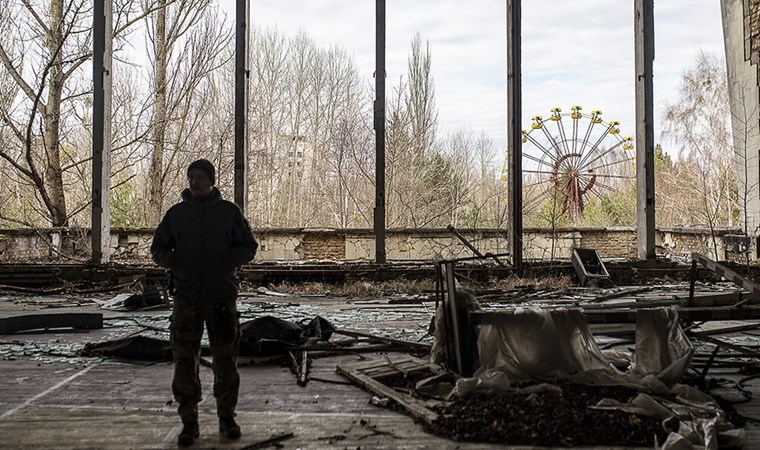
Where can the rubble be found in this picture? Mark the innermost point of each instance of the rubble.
(561, 417)
(587, 398)
(544, 399)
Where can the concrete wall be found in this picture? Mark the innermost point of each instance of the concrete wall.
(741, 30)
(288, 245)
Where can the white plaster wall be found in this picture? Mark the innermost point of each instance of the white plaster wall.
(744, 96)
(539, 246)
(134, 245)
(676, 244)
(360, 248)
(279, 247)
(408, 247)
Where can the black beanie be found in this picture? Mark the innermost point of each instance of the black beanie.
(205, 166)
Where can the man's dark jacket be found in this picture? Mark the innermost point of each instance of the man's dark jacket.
(203, 242)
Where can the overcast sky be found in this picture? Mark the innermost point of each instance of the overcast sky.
(574, 52)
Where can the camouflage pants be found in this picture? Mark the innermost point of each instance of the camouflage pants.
(223, 326)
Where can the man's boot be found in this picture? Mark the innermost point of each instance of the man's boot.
(188, 435)
(228, 427)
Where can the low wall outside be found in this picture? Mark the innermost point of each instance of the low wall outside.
(290, 245)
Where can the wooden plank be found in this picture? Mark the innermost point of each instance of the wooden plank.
(630, 304)
(387, 367)
(737, 348)
(375, 363)
(300, 366)
(714, 298)
(36, 321)
(352, 333)
(622, 293)
(725, 272)
(725, 330)
(395, 369)
(411, 404)
(271, 442)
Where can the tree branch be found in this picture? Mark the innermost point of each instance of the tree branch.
(36, 16)
(17, 76)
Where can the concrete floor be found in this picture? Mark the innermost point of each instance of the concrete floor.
(110, 405)
(51, 398)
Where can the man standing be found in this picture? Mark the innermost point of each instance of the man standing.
(203, 240)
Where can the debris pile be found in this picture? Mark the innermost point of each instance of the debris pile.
(541, 379)
(555, 415)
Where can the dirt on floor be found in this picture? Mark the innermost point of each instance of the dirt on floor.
(551, 418)
(561, 417)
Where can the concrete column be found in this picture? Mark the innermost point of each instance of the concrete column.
(645, 207)
(379, 119)
(242, 32)
(514, 132)
(102, 57)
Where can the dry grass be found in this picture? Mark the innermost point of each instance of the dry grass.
(370, 289)
(356, 289)
(560, 283)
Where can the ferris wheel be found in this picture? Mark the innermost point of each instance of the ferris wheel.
(572, 156)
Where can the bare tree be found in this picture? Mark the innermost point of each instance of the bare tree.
(50, 45)
(484, 207)
(698, 124)
(43, 47)
(419, 98)
(350, 170)
(338, 101)
(269, 129)
(309, 125)
(187, 39)
(303, 61)
(425, 179)
(310, 142)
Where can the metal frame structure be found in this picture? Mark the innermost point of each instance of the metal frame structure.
(644, 39)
